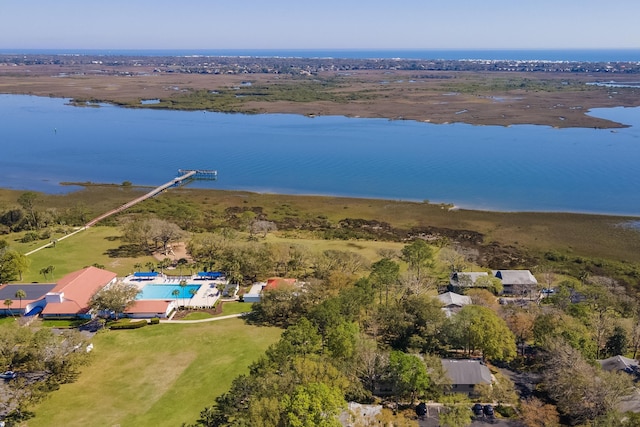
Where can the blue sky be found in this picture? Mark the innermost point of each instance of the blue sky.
(300, 24)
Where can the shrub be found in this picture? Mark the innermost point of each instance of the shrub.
(506, 411)
(29, 237)
(128, 325)
(155, 320)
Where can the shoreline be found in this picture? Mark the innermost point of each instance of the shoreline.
(445, 206)
(500, 98)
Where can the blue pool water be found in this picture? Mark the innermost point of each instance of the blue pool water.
(165, 291)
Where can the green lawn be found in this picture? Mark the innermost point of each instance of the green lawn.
(159, 375)
(197, 316)
(92, 246)
(235, 307)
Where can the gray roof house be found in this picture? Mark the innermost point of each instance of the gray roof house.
(463, 279)
(452, 302)
(619, 363)
(516, 282)
(466, 374)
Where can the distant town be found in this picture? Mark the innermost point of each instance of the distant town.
(101, 64)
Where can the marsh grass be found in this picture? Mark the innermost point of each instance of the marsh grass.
(573, 235)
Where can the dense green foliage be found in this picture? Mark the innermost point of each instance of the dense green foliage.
(42, 360)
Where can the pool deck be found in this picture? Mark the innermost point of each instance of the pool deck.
(206, 296)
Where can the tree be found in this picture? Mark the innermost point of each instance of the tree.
(27, 201)
(521, 324)
(536, 413)
(183, 285)
(8, 303)
(408, 375)
(384, 275)
(617, 342)
(258, 226)
(313, 405)
(419, 255)
(193, 292)
(175, 293)
(165, 232)
(491, 283)
(114, 299)
(20, 294)
(479, 328)
(47, 270)
(453, 259)
(455, 416)
(12, 264)
(166, 262)
(582, 392)
(181, 263)
(55, 358)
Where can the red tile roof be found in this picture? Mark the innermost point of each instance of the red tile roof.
(149, 306)
(78, 288)
(277, 282)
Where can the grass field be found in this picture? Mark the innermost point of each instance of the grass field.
(92, 246)
(160, 375)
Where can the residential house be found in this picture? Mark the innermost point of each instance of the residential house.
(619, 363)
(466, 374)
(462, 280)
(452, 302)
(516, 282)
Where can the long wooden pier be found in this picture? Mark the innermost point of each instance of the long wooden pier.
(186, 175)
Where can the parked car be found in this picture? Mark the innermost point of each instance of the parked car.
(477, 410)
(488, 411)
(8, 375)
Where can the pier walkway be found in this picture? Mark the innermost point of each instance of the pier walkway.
(186, 174)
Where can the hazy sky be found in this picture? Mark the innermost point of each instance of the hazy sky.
(301, 24)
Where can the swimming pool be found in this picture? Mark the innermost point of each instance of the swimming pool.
(166, 291)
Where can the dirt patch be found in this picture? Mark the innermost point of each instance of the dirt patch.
(175, 252)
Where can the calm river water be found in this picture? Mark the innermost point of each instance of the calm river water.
(519, 168)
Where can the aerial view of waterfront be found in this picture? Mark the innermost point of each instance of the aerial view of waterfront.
(517, 168)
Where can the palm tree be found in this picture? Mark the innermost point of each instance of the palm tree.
(175, 293)
(137, 266)
(20, 293)
(50, 270)
(183, 284)
(193, 292)
(181, 263)
(8, 303)
(150, 266)
(164, 264)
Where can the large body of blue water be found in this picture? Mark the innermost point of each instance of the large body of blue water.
(579, 55)
(517, 168)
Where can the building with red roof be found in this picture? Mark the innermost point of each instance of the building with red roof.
(144, 309)
(71, 296)
(278, 282)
